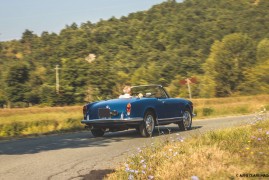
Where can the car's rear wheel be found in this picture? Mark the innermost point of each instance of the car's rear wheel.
(186, 122)
(146, 128)
(98, 132)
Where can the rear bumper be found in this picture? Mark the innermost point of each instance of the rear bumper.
(112, 121)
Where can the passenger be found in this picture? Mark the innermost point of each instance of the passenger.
(140, 95)
(127, 92)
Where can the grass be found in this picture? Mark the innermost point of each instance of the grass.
(216, 107)
(224, 154)
(37, 120)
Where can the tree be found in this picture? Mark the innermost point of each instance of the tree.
(16, 82)
(232, 57)
(208, 81)
(263, 50)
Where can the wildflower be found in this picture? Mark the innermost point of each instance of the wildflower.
(143, 172)
(131, 177)
(175, 154)
(142, 161)
(194, 178)
(127, 169)
(170, 150)
(144, 166)
(259, 139)
(247, 148)
(139, 150)
(180, 139)
(150, 177)
(267, 132)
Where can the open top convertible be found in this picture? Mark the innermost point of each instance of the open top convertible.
(144, 108)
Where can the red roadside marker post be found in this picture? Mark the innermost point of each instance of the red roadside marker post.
(188, 81)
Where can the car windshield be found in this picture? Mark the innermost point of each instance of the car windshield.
(148, 92)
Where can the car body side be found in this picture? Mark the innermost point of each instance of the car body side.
(166, 111)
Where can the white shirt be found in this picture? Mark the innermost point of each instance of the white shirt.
(125, 96)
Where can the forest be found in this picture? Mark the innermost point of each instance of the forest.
(223, 44)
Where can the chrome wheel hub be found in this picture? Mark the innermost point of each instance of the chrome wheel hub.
(186, 119)
(149, 124)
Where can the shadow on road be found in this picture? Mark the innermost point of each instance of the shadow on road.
(74, 140)
(97, 174)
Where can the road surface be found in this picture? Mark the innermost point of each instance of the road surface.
(81, 156)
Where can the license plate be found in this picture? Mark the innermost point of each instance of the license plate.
(104, 113)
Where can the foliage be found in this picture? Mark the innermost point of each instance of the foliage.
(208, 39)
(222, 154)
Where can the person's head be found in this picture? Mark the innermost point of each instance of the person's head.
(127, 90)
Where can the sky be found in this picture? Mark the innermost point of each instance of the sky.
(53, 15)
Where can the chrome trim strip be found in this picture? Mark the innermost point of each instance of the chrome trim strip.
(126, 120)
(174, 118)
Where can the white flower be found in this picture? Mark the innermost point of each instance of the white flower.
(181, 139)
(127, 169)
(150, 177)
(194, 178)
(131, 177)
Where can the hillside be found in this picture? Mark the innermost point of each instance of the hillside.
(167, 43)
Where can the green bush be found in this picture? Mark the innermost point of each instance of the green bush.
(207, 111)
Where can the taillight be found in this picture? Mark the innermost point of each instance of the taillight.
(84, 110)
(128, 109)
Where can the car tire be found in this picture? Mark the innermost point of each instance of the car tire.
(98, 132)
(186, 122)
(146, 128)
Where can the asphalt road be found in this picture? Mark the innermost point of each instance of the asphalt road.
(81, 156)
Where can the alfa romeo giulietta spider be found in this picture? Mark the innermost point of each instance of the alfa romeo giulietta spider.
(141, 108)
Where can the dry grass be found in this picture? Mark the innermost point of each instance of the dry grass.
(214, 107)
(33, 121)
(223, 154)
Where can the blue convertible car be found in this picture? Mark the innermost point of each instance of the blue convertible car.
(147, 106)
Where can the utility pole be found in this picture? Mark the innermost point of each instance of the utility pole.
(57, 79)
(189, 86)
